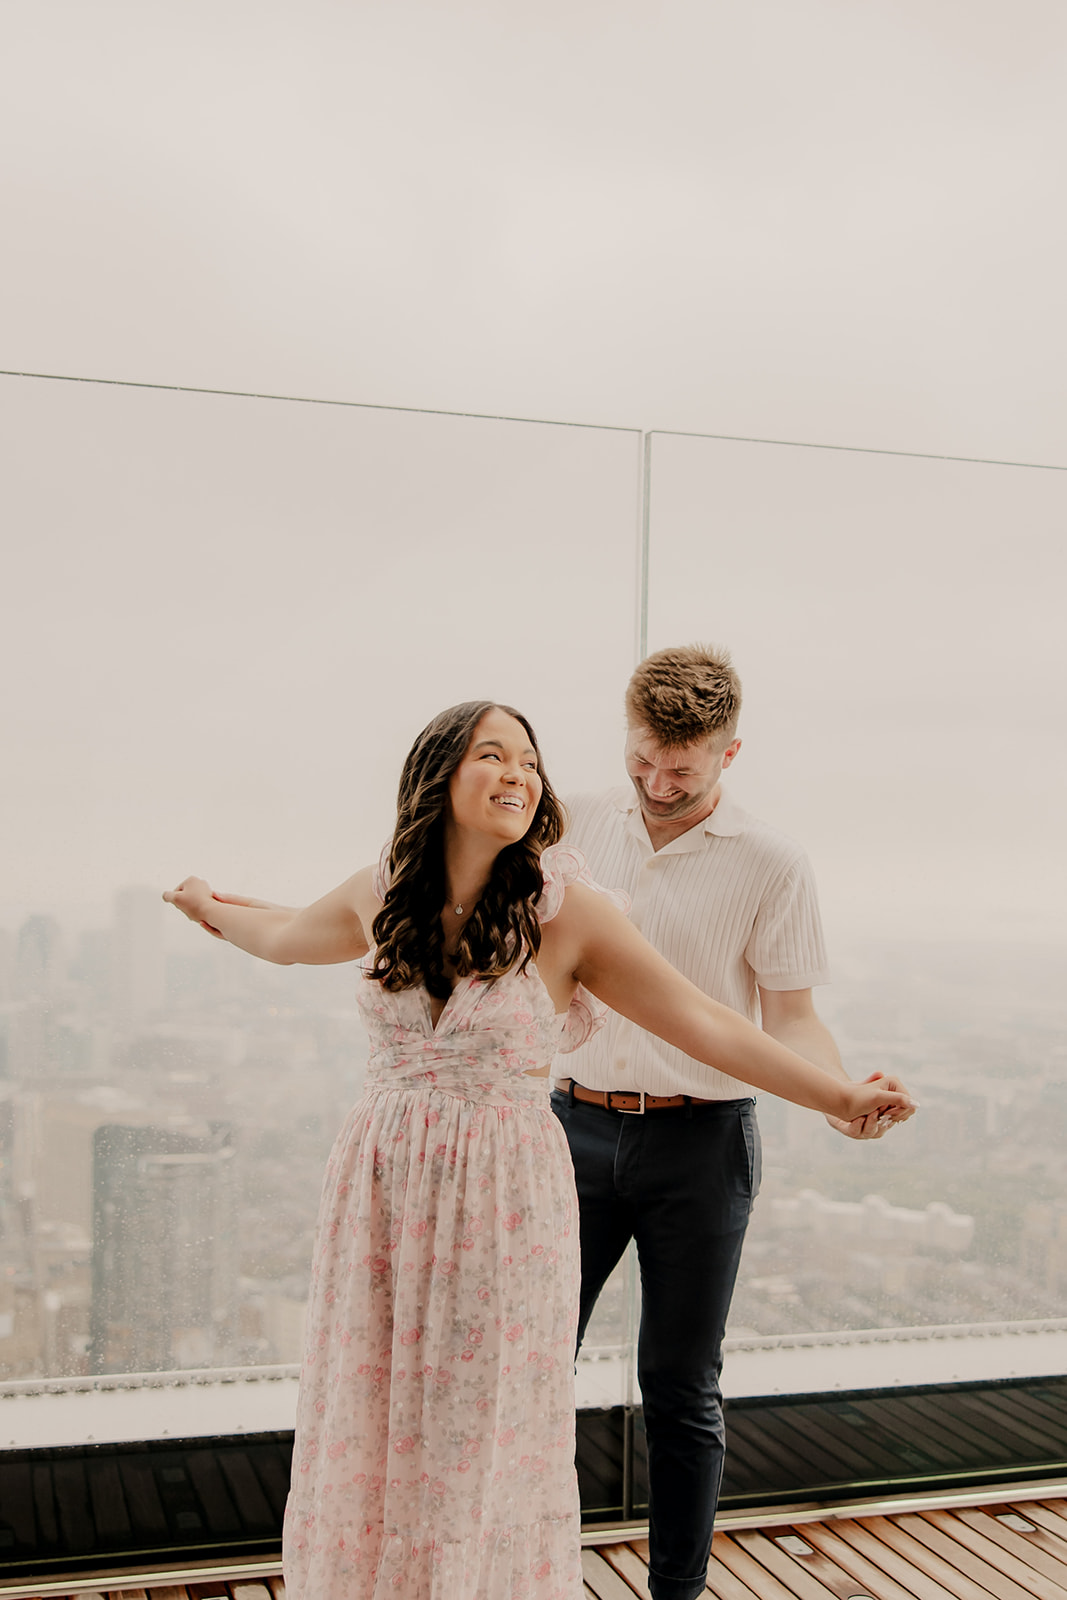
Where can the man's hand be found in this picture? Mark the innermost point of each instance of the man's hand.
(873, 1126)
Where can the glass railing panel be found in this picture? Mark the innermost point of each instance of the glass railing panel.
(225, 620)
(897, 625)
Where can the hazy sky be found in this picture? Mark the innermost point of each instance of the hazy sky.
(824, 222)
(815, 220)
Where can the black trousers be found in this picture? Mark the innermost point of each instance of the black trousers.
(681, 1183)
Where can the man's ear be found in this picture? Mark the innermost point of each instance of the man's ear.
(728, 754)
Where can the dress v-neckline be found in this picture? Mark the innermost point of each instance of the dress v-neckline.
(436, 1027)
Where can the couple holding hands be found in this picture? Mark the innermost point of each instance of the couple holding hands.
(472, 1210)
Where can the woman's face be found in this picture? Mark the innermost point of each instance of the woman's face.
(496, 788)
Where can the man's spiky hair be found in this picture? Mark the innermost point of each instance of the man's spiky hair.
(685, 695)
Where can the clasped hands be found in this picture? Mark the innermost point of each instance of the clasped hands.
(875, 1124)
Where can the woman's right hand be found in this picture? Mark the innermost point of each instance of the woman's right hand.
(193, 897)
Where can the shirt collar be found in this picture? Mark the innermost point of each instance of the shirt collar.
(725, 821)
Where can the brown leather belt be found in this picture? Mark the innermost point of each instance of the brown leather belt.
(635, 1102)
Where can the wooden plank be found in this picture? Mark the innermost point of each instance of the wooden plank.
(793, 1571)
(811, 1443)
(108, 1501)
(741, 1448)
(775, 1443)
(72, 1500)
(127, 1594)
(142, 1497)
(602, 1579)
(16, 1499)
(1042, 1429)
(1049, 1417)
(247, 1491)
(971, 1431)
(277, 1587)
(961, 1559)
(1004, 1424)
(927, 1420)
(1031, 1579)
(838, 1580)
(723, 1583)
(762, 1583)
(628, 1564)
(274, 1474)
(878, 1584)
(1053, 1527)
(875, 1459)
(212, 1493)
(933, 1449)
(215, 1590)
(1037, 1548)
(44, 1502)
(1058, 1508)
(891, 1550)
(842, 1444)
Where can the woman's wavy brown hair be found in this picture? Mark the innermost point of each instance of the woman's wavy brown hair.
(502, 929)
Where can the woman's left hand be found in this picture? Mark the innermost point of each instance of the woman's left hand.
(873, 1124)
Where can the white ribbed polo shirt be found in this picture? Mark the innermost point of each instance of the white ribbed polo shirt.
(731, 903)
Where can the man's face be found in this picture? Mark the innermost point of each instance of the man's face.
(676, 784)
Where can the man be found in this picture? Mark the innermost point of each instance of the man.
(731, 902)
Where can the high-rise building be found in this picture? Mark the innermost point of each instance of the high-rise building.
(40, 962)
(164, 1263)
(7, 965)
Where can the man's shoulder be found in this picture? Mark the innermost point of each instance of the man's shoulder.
(762, 841)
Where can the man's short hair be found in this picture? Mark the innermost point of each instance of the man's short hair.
(686, 695)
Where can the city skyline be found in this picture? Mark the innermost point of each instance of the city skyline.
(970, 1226)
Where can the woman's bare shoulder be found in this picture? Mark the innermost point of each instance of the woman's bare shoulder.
(584, 916)
(361, 890)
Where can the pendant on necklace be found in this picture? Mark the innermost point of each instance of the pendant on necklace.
(458, 910)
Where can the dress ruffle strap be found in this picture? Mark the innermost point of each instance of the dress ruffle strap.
(561, 865)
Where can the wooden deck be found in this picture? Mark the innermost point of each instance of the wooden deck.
(1014, 1549)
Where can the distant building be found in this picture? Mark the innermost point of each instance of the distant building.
(164, 1260)
(874, 1220)
(7, 965)
(94, 963)
(138, 971)
(40, 961)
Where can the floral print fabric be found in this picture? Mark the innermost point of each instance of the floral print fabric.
(434, 1455)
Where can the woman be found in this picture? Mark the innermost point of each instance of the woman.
(435, 1434)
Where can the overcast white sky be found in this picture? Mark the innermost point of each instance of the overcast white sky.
(814, 220)
(819, 221)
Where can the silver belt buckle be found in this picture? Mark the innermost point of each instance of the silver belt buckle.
(635, 1111)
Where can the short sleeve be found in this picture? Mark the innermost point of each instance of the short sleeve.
(786, 949)
(562, 865)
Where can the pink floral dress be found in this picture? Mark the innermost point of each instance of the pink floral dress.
(434, 1454)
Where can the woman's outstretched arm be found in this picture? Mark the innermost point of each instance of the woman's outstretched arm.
(335, 928)
(616, 964)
